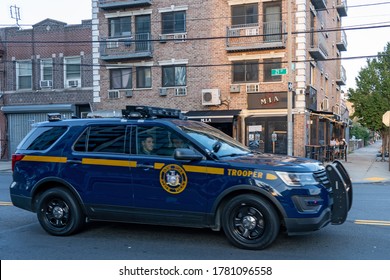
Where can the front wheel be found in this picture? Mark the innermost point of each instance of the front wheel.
(59, 213)
(250, 222)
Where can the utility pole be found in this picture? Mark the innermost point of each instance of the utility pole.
(290, 77)
(15, 13)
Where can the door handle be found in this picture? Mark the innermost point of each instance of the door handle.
(145, 165)
(73, 161)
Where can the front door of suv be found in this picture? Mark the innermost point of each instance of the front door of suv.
(165, 190)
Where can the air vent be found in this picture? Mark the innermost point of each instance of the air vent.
(46, 83)
(211, 97)
(252, 88)
(235, 88)
(113, 94)
(163, 92)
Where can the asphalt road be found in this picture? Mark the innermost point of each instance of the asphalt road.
(364, 236)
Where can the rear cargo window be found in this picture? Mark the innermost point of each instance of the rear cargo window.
(41, 138)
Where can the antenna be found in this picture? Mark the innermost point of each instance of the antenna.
(15, 13)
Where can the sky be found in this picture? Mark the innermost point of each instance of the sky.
(361, 42)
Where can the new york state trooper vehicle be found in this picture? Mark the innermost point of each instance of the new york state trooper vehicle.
(73, 171)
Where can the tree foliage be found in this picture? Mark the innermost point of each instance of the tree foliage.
(371, 98)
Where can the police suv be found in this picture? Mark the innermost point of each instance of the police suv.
(152, 166)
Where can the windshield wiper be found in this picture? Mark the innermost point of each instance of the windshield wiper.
(233, 155)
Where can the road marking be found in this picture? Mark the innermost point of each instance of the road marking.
(372, 222)
(5, 203)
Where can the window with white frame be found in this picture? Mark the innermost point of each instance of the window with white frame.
(120, 27)
(46, 69)
(72, 71)
(121, 78)
(24, 74)
(173, 22)
(246, 71)
(174, 75)
(144, 77)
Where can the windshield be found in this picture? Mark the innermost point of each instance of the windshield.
(214, 140)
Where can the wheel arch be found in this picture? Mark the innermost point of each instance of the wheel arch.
(49, 183)
(225, 196)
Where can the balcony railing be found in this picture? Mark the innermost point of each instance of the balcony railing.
(137, 46)
(342, 7)
(253, 37)
(342, 41)
(319, 4)
(341, 77)
(114, 4)
(318, 48)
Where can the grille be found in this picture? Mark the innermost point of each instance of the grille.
(322, 178)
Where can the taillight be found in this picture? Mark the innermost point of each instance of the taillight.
(15, 159)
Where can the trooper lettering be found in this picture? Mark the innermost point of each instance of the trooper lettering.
(245, 173)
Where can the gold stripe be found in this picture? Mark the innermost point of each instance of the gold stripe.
(203, 169)
(158, 165)
(269, 176)
(44, 159)
(109, 162)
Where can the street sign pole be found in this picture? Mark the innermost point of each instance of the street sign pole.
(289, 92)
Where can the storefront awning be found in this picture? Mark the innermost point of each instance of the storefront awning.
(214, 116)
(50, 108)
(332, 117)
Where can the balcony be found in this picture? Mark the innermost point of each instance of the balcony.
(317, 47)
(138, 46)
(342, 7)
(114, 5)
(247, 37)
(319, 4)
(341, 42)
(341, 77)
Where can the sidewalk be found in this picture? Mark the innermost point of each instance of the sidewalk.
(361, 165)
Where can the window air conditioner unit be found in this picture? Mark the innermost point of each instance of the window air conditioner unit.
(211, 96)
(251, 32)
(46, 83)
(112, 44)
(163, 92)
(113, 94)
(182, 91)
(128, 92)
(252, 88)
(163, 38)
(180, 37)
(324, 105)
(73, 83)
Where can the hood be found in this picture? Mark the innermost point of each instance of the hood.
(275, 162)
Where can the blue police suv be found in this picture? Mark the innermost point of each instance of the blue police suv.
(153, 166)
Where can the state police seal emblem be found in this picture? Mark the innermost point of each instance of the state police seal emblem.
(173, 178)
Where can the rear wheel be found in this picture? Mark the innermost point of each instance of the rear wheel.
(250, 222)
(59, 213)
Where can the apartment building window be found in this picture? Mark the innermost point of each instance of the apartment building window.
(47, 70)
(24, 74)
(174, 75)
(269, 64)
(121, 78)
(72, 71)
(120, 27)
(144, 77)
(272, 22)
(245, 14)
(246, 71)
(173, 22)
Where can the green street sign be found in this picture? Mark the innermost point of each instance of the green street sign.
(280, 71)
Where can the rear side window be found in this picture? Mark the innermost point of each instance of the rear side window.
(103, 139)
(41, 138)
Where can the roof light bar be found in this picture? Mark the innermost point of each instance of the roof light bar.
(151, 112)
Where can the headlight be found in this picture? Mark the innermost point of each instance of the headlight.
(297, 179)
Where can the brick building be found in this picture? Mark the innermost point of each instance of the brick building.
(46, 68)
(226, 62)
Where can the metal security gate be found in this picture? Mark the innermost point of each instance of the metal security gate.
(20, 120)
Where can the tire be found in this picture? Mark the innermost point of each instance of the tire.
(250, 222)
(59, 213)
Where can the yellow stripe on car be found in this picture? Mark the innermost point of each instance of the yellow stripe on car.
(44, 159)
(109, 162)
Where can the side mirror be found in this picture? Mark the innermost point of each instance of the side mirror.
(187, 154)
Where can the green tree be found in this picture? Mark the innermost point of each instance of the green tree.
(371, 98)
